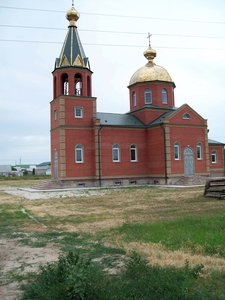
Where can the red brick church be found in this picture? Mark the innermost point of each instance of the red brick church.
(154, 142)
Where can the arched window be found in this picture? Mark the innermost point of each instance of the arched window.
(65, 84)
(148, 96)
(134, 99)
(214, 157)
(186, 116)
(78, 84)
(199, 151)
(164, 96)
(116, 153)
(133, 153)
(79, 154)
(176, 151)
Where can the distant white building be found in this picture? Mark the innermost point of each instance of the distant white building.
(5, 170)
(43, 169)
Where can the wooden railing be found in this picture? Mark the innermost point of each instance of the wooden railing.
(215, 187)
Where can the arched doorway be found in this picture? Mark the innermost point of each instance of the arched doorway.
(188, 162)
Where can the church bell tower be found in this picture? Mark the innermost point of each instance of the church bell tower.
(73, 108)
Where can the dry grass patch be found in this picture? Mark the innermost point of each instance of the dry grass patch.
(157, 255)
(114, 207)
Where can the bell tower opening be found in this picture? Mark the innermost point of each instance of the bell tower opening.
(65, 84)
(78, 84)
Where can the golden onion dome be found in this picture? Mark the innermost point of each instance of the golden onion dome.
(72, 16)
(151, 71)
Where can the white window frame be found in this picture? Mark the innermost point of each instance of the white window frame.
(79, 154)
(133, 152)
(199, 151)
(213, 157)
(148, 96)
(164, 96)
(186, 116)
(134, 99)
(116, 153)
(76, 114)
(176, 151)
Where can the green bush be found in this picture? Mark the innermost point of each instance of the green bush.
(143, 281)
(73, 277)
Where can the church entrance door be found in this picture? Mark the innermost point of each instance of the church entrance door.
(188, 162)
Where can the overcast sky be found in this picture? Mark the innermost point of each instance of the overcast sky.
(189, 37)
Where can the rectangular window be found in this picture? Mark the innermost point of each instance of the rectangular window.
(199, 152)
(116, 153)
(79, 157)
(213, 157)
(176, 151)
(134, 99)
(79, 154)
(55, 115)
(78, 112)
(133, 153)
(148, 96)
(164, 96)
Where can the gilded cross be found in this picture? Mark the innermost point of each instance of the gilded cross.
(149, 39)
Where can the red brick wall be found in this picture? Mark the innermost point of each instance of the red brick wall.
(85, 137)
(54, 107)
(156, 88)
(188, 137)
(148, 115)
(125, 138)
(54, 147)
(155, 144)
(217, 169)
(88, 110)
(195, 119)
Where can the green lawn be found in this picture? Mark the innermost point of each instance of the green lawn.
(207, 232)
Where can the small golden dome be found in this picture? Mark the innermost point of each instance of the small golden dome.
(72, 16)
(151, 71)
(150, 54)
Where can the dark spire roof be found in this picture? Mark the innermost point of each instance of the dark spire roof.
(72, 54)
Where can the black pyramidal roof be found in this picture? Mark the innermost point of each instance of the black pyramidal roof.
(72, 53)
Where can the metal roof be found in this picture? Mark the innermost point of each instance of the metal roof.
(213, 142)
(128, 120)
(125, 120)
(72, 53)
(162, 118)
(46, 163)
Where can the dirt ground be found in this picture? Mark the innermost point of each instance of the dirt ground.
(19, 259)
